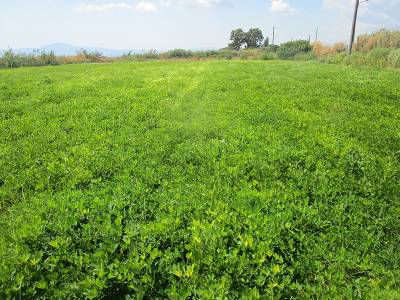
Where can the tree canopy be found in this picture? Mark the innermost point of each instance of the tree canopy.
(252, 39)
(238, 38)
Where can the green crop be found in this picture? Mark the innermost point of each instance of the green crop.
(200, 180)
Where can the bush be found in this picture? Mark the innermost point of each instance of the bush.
(150, 54)
(243, 56)
(305, 56)
(271, 48)
(250, 54)
(211, 53)
(291, 49)
(10, 59)
(48, 59)
(333, 58)
(206, 54)
(378, 57)
(178, 53)
(394, 58)
(90, 56)
(355, 59)
(228, 54)
(269, 55)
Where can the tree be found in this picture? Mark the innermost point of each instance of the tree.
(266, 42)
(238, 38)
(254, 38)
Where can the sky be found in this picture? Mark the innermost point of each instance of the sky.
(189, 24)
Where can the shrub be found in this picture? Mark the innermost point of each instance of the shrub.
(90, 56)
(10, 59)
(151, 54)
(250, 54)
(228, 54)
(356, 58)
(269, 55)
(378, 57)
(333, 58)
(178, 53)
(394, 58)
(271, 48)
(290, 49)
(243, 55)
(211, 53)
(148, 54)
(206, 54)
(48, 58)
(305, 56)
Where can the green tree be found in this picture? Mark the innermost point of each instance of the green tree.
(238, 38)
(254, 38)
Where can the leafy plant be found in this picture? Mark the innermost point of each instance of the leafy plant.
(179, 53)
(291, 49)
(199, 180)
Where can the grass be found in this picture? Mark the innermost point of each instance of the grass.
(212, 179)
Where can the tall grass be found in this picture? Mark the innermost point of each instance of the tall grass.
(10, 59)
(381, 39)
(321, 49)
(379, 49)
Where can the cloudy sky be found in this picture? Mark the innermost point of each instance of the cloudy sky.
(166, 24)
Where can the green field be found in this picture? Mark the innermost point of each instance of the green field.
(200, 180)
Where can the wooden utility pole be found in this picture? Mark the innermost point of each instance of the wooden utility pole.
(273, 35)
(353, 28)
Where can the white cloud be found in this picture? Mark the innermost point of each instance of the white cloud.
(142, 6)
(380, 13)
(145, 6)
(193, 3)
(102, 7)
(281, 6)
(338, 4)
(373, 15)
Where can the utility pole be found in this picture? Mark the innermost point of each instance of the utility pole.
(316, 35)
(353, 28)
(273, 35)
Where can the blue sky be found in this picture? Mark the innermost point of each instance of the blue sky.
(167, 24)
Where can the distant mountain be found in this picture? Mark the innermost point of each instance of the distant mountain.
(61, 49)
